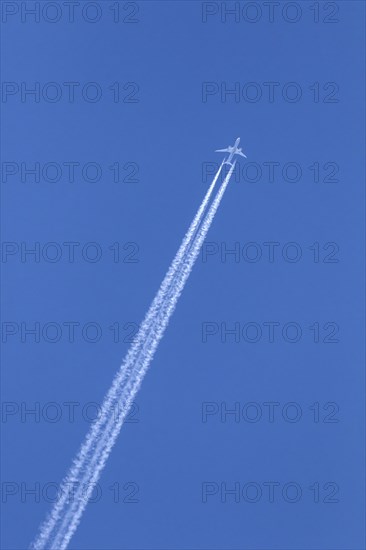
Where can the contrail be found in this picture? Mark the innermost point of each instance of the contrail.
(129, 391)
(93, 454)
(93, 436)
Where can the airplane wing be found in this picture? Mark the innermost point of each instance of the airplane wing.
(228, 150)
(241, 153)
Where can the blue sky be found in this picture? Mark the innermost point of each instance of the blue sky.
(175, 67)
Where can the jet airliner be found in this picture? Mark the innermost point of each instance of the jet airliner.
(232, 150)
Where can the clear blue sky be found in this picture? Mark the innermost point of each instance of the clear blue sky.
(298, 108)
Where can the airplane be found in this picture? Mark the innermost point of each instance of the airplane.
(232, 150)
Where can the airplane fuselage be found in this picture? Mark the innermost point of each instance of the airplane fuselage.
(234, 151)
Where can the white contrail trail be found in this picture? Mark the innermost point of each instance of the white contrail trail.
(129, 391)
(109, 401)
(93, 462)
